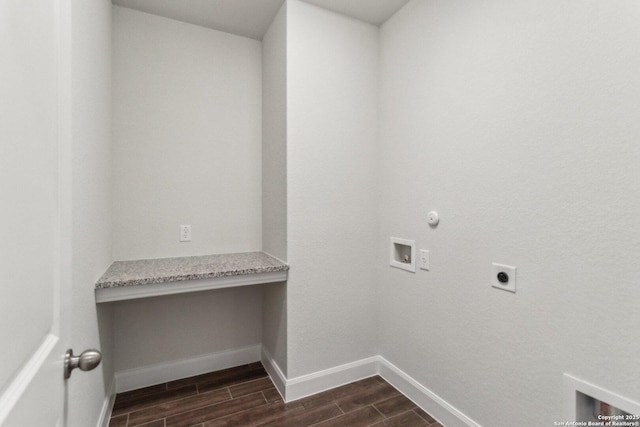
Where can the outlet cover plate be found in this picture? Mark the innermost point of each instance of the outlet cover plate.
(185, 233)
(510, 285)
(424, 259)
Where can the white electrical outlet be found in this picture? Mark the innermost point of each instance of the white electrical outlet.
(424, 259)
(185, 233)
(503, 277)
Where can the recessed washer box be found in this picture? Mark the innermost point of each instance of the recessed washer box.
(403, 254)
(585, 402)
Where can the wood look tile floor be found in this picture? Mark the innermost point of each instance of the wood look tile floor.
(245, 396)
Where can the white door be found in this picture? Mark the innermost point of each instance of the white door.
(34, 211)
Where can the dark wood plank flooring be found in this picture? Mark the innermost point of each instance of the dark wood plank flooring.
(245, 396)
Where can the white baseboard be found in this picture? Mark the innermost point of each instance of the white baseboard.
(430, 402)
(277, 376)
(163, 372)
(294, 388)
(306, 385)
(107, 406)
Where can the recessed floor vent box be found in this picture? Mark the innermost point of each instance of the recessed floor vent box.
(592, 405)
(403, 254)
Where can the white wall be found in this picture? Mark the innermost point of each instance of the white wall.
(274, 137)
(331, 188)
(518, 122)
(91, 195)
(187, 138)
(166, 329)
(274, 182)
(515, 120)
(187, 150)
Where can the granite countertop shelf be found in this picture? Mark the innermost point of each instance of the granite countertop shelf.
(126, 280)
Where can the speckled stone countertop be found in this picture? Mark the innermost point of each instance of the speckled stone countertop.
(162, 270)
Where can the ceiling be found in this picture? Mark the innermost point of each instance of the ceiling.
(372, 11)
(251, 18)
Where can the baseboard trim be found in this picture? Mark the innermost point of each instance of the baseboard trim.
(155, 374)
(107, 406)
(441, 410)
(275, 373)
(294, 388)
(306, 385)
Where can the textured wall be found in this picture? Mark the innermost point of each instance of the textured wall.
(518, 121)
(274, 181)
(331, 188)
(169, 328)
(274, 137)
(187, 138)
(91, 194)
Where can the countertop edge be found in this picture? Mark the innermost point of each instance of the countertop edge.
(188, 276)
(123, 293)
